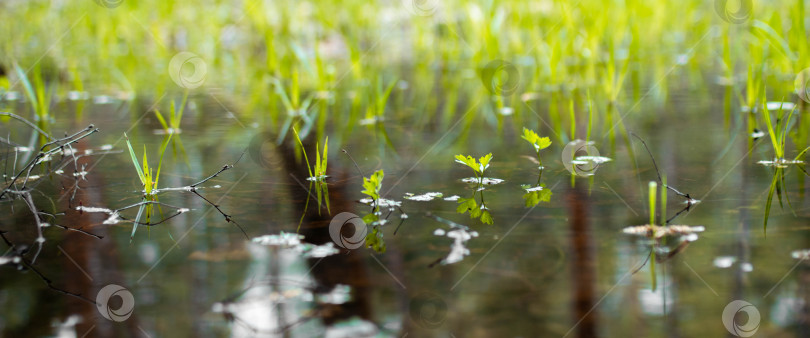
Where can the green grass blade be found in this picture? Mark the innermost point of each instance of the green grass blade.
(325, 155)
(653, 189)
(768, 203)
(135, 160)
(29, 90)
(774, 39)
(771, 134)
(317, 167)
(161, 120)
(163, 147)
(801, 154)
(664, 200)
(179, 115)
(137, 220)
(786, 123)
(298, 139)
(325, 188)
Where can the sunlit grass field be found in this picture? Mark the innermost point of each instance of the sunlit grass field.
(421, 63)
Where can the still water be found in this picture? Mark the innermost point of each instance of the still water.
(561, 268)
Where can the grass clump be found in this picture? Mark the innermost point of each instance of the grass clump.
(149, 180)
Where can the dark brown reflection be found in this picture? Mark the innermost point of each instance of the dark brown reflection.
(583, 264)
(348, 267)
(97, 258)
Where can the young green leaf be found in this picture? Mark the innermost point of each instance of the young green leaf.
(466, 204)
(468, 161)
(484, 162)
(486, 217)
(373, 184)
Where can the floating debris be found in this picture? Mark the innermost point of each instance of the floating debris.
(318, 251)
(283, 240)
(780, 163)
(689, 232)
(424, 197)
(530, 189)
(484, 181)
(317, 178)
(12, 259)
(801, 254)
(591, 159)
(724, 262)
(340, 294)
(167, 131)
(293, 242)
(452, 198)
(773, 105)
(458, 250)
(757, 134)
(460, 235)
(114, 218)
(102, 99)
(746, 267)
(383, 203)
(74, 95)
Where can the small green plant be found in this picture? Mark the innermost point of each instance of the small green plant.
(470, 204)
(371, 188)
(778, 136)
(297, 109)
(318, 171)
(317, 175)
(538, 142)
(537, 193)
(173, 125)
(148, 180)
